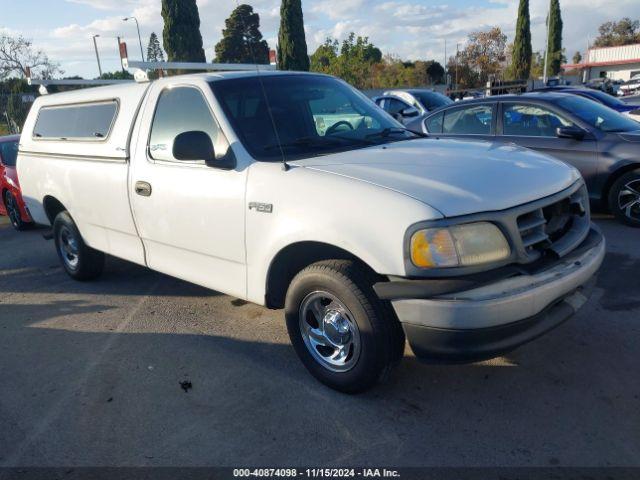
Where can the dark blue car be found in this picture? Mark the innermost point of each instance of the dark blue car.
(600, 97)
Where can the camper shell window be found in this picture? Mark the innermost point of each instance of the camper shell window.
(87, 121)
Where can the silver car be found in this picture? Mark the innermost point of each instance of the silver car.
(408, 105)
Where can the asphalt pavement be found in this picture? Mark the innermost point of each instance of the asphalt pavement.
(91, 374)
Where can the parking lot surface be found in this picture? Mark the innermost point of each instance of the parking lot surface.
(90, 376)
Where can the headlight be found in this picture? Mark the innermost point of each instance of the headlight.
(458, 246)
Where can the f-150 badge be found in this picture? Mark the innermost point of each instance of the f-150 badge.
(261, 207)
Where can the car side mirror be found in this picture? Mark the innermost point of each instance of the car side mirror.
(196, 145)
(573, 132)
(409, 112)
(193, 145)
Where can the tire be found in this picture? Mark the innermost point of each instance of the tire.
(332, 303)
(80, 261)
(13, 212)
(624, 199)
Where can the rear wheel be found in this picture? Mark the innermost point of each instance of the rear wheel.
(343, 334)
(624, 198)
(79, 260)
(13, 212)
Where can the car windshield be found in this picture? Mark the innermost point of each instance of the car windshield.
(432, 100)
(597, 115)
(604, 98)
(302, 116)
(9, 153)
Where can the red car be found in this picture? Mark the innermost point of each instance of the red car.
(12, 204)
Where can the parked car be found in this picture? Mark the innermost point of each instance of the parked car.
(407, 105)
(630, 87)
(11, 204)
(295, 191)
(618, 105)
(603, 144)
(603, 84)
(615, 103)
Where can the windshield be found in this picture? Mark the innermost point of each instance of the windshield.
(312, 115)
(432, 100)
(598, 115)
(9, 153)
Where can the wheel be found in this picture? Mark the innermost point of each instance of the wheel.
(343, 334)
(13, 211)
(80, 261)
(624, 198)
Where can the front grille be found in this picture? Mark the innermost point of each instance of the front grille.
(555, 228)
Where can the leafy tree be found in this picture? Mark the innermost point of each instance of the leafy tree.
(241, 39)
(435, 71)
(17, 53)
(482, 57)
(554, 48)
(623, 32)
(462, 74)
(292, 44)
(117, 75)
(577, 57)
(521, 52)
(154, 50)
(181, 35)
(350, 60)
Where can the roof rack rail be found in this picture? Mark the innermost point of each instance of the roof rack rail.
(140, 68)
(44, 83)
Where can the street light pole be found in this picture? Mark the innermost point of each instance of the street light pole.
(95, 46)
(139, 37)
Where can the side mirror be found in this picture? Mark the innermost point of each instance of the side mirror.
(575, 133)
(194, 145)
(409, 112)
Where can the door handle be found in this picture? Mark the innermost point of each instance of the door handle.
(143, 189)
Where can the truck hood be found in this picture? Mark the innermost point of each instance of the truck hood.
(453, 176)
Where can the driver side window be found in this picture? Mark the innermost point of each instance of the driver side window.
(530, 121)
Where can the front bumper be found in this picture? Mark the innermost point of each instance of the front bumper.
(491, 319)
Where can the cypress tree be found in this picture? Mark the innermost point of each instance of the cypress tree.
(181, 35)
(521, 54)
(555, 38)
(241, 39)
(292, 44)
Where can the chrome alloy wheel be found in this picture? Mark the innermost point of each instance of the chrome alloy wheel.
(68, 246)
(629, 199)
(329, 331)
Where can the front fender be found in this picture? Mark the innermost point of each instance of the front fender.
(365, 220)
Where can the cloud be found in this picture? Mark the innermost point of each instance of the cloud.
(412, 29)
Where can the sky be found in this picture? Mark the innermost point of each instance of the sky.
(411, 29)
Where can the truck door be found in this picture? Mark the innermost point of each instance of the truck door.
(190, 216)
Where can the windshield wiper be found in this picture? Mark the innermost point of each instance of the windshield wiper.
(387, 132)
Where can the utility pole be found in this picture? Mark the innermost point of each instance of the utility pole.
(546, 48)
(95, 46)
(139, 37)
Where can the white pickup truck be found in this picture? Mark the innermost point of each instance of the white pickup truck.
(295, 191)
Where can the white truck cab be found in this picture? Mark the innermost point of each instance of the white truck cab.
(295, 191)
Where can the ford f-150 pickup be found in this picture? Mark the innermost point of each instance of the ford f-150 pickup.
(295, 191)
